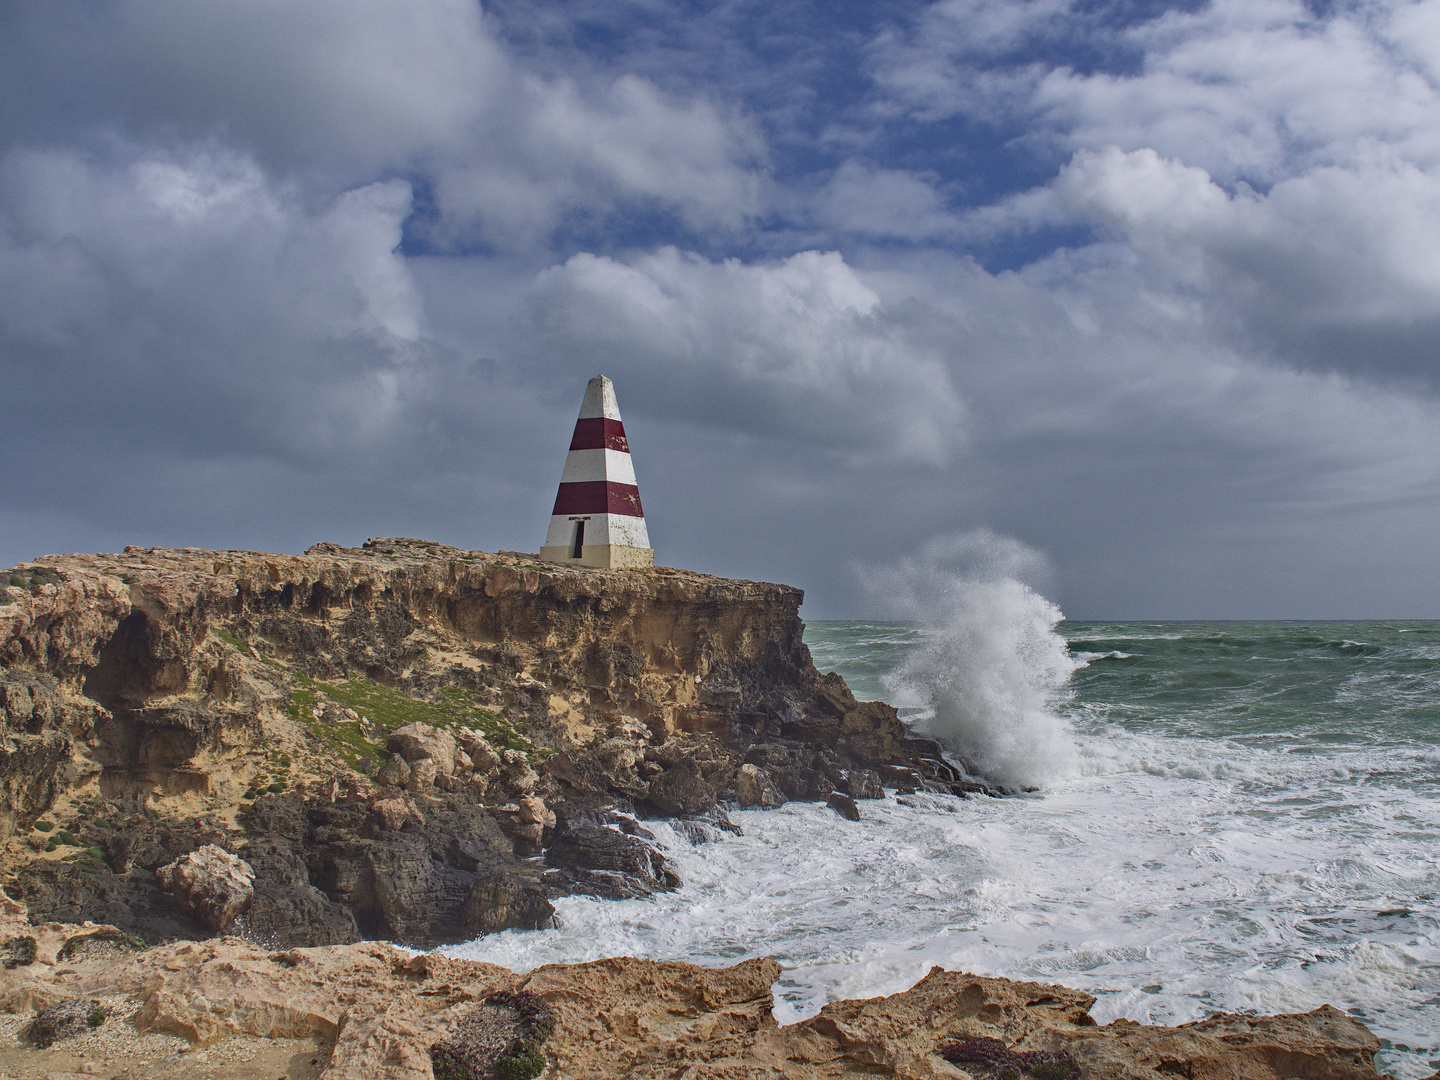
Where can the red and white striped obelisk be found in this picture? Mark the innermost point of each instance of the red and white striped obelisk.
(597, 520)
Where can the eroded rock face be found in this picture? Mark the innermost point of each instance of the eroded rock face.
(392, 726)
(210, 884)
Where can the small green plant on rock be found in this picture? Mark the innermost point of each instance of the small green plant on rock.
(96, 1016)
(501, 1039)
(991, 1058)
(233, 641)
(19, 952)
(526, 1063)
(44, 826)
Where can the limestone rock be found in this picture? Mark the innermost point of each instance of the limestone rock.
(863, 784)
(843, 805)
(416, 742)
(753, 788)
(394, 773)
(378, 1013)
(482, 755)
(210, 884)
(218, 697)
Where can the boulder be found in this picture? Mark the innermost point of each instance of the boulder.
(519, 776)
(753, 788)
(483, 757)
(394, 773)
(64, 1019)
(423, 774)
(288, 912)
(210, 884)
(796, 770)
(392, 813)
(598, 861)
(533, 812)
(843, 805)
(681, 789)
(415, 742)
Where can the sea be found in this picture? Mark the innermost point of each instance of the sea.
(1202, 817)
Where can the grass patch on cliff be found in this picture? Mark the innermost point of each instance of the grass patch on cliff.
(385, 708)
(232, 641)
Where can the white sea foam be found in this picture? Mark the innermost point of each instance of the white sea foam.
(991, 664)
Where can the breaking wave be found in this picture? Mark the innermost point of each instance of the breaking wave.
(990, 666)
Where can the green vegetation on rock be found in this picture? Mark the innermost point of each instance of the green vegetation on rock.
(525, 1064)
(233, 641)
(386, 708)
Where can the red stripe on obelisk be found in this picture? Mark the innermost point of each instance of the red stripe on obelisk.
(599, 433)
(598, 497)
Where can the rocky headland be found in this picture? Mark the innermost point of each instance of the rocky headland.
(383, 737)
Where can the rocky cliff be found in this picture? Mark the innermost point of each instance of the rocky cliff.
(385, 734)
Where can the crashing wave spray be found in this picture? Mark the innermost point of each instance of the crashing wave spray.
(991, 664)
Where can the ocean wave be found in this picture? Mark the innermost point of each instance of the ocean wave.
(991, 666)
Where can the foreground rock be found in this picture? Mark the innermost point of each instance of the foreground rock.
(373, 1012)
(387, 735)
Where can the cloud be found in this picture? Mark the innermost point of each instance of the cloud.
(193, 281)
(337, 93)
(553, 152)
(861, 199)
(1245, 90)
(797, 350)
(1274, 167)
(1336, 268)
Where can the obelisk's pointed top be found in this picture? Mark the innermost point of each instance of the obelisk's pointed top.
(599, 400)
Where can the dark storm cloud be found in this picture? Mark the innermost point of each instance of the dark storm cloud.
(272, 272)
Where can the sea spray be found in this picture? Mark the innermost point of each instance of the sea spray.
(990, 665)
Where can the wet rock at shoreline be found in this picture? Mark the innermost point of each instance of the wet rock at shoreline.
(843, 805)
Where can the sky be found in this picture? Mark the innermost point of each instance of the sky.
(1152, 289)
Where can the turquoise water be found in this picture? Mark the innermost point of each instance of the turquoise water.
(1223, 816)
